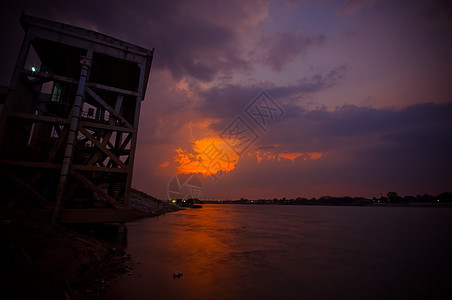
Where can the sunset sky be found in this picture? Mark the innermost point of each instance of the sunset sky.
(267, 99)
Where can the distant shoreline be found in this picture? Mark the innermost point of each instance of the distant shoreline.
(392, 200)
(441, 205)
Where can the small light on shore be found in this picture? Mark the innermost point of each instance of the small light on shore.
(33, 69)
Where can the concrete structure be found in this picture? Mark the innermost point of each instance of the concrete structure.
(68, 126)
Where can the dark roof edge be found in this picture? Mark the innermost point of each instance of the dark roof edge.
(27, 20)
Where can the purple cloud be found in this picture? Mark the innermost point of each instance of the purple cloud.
(352, 6)
(196, 39)
(283, 48)
(365, 151)
(322, 130)
(228, 101)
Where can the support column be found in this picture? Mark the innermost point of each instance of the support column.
(133, 141)
(21, 58)
(72, 134)
(14, 82)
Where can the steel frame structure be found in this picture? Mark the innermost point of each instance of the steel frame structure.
(68, 128)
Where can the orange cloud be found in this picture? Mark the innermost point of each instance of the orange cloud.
(314, 155)
(290, 156)
(264, 155)
(164, 164)
(209, 156)
(212, 155)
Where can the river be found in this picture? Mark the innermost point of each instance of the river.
(290, 252)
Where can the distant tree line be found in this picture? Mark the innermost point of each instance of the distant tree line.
(392, 198)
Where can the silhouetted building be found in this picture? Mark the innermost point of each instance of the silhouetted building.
(68, 126)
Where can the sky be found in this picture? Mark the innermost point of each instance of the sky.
(294, 98)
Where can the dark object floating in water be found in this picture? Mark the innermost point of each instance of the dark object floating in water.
(178, 274)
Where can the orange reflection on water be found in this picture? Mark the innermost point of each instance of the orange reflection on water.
(203, 253)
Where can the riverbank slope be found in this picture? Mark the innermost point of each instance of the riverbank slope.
(43, 261)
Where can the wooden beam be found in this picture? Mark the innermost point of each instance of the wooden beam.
(37, 118)
(118, 104)
(112, 89)
(93, 215)
(30, 164)
(87, 124)
(48, 76)
(95, 158)
(111, 145)
(107, 107)
(38, 81)
(57, 144)
(96, 155)
(126, 141)
(57, 128)
(102, 147)
(25, 187)
(95, 188)
(82, 141)
(39, 173)
(26, 214)
(99, 169)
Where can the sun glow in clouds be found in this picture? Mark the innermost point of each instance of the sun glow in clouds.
(209, 156)
(212, 155)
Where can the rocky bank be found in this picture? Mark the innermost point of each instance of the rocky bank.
(44, 261)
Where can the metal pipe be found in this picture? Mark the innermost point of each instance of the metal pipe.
(73, 128)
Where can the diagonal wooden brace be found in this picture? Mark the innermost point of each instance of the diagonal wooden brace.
(102, 147)
(95, 188)
(26, 188)
(107, 107)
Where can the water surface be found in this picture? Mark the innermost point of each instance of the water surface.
(290, 252)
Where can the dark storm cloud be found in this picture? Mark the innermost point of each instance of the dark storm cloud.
(229, 101)
(309, 85)
(424, 125)
(439, 11)
(188, 45)
(407, 150)
(283, 48)
(195, 38)
(370, 136)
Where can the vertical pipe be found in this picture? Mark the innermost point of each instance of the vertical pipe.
(73, 128)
